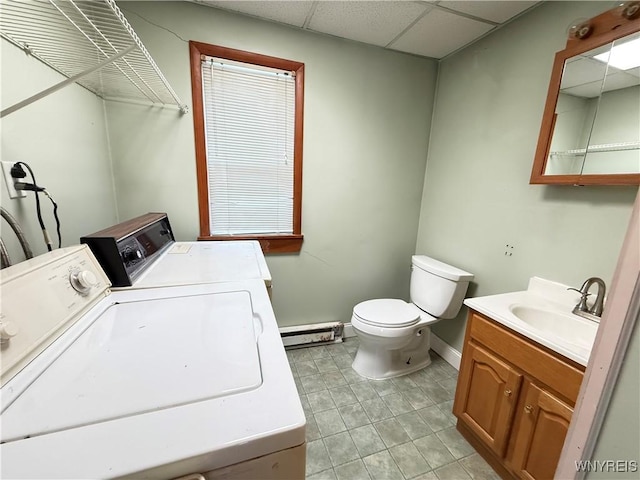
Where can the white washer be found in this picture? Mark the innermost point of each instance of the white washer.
(148, 383)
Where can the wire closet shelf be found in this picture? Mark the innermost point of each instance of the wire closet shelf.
(89, 42)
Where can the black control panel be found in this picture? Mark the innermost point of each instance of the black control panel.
(127, 249)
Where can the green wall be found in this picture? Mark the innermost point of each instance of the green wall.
(619, 438)
(63, 138)
(477, 198)
(367, 114)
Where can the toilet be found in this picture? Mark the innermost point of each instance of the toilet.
(395, 335)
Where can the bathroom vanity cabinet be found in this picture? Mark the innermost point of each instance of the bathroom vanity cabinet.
(514, 399)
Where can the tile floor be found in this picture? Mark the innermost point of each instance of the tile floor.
(389, 429)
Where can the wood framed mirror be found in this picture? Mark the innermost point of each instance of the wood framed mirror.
(590, 133)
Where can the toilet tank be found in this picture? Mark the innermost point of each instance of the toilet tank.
(437, 288)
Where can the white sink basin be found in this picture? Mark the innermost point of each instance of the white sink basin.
(567, 327)
(543, 314)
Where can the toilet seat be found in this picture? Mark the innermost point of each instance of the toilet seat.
(387, 313)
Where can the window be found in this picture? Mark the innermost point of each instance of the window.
(248, 117)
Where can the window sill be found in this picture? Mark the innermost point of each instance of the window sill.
(269, 243)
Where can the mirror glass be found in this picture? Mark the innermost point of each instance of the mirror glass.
(596, 127)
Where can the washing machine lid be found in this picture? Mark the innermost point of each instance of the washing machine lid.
(140, 356)
(387, 312)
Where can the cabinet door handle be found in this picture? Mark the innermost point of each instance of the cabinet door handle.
(528, 409)
(507, 393)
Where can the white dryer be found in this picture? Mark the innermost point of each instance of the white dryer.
(144, 383)
(142, 253)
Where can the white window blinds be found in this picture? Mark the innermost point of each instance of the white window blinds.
(249, 128)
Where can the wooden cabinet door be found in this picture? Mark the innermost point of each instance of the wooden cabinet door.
(540, 428)
(486, 396)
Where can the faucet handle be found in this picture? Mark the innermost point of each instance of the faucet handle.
(584, 294)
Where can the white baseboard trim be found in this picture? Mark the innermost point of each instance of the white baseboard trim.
(446, 351)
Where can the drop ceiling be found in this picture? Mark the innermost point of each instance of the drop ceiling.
(429, 29)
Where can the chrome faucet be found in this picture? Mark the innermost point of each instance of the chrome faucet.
(582, 309)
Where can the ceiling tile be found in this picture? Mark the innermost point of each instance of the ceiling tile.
(432, 36)
(289, 12)
(496, 11)
(377, 23)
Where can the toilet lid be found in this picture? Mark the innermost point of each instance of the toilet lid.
(387, 312)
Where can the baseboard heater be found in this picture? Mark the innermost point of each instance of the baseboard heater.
(315, 334)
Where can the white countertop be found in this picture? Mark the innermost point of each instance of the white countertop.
(571, 336)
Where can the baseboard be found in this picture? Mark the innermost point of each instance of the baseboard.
(446, 351)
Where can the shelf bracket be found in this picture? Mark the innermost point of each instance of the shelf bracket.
(66, 82)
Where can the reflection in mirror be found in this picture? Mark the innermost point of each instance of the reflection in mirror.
(614, 144)
(596, 127)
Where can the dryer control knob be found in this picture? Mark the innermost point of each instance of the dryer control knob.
(7, 330)
(131, 255)
(83, 280)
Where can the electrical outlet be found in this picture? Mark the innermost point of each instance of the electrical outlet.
(11, 189)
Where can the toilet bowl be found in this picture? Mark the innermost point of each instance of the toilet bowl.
(394, 334)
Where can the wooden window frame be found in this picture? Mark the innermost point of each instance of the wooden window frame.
(275, 243)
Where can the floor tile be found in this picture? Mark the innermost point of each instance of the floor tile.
(320, 401)
(449, 369)
(337, 349)
(323, 475)
(304, 400)
(438, 373)
(351, 347)
(382, 467)
(353, 415)
(319, 352)
(326, 365)
(384, 387)
(299, 386)
(455, 442)
(446, 408)
(434, 417)
(380, 429)
(351, 376)
(341, 448)
(421, 377)
(409, 460)
(376, 409)
(343, 360)
(404, 383)
(478, 468)
(311, 431)
(391, 432)
(417, 398)
(453, 471)
(313, 383)
(397, 403)
(343, 396)
(449, 384)
(352, 471)
(367, 440)
(306, 368)
(414, 425)
(299, 355)
(333, 379)
(437, 393)
(434, 451)
(363, 391)
(329, 422)
(317, 457)
(426, 476)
